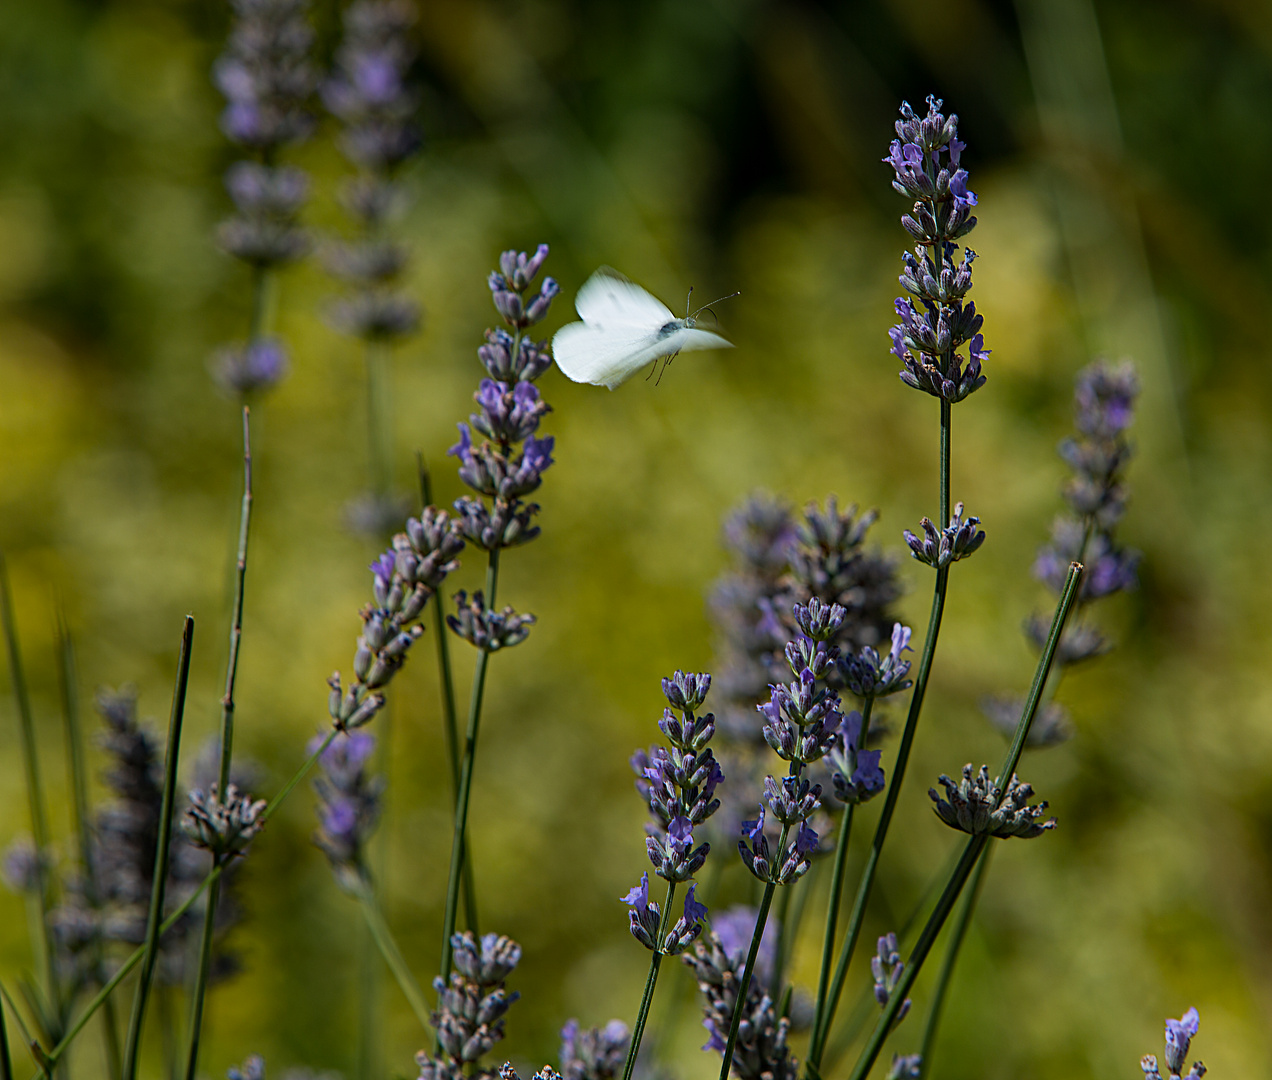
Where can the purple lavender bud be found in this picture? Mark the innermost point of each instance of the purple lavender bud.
(595, 1054)
(253, 1069)
(686, 692)
(21, 867)
(486, 630)
(1179, 1035)
(958, 540)
(887, 968)
(538, 307)
(644, 916)
(976, 806)
(906, 1067)
(819, 621)
(376, 315)
(248, 369)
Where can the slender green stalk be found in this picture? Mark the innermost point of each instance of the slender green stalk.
(976, 844)
(366, 1048)
(459, 840)
(300, 774)
(450, 726)
(204, 967)
(832, 907)
(971, 853)
(744, 983)
(78, 782)
(857, 917)
(202, 971)
(159, 882)
(957, 933)
(384, 941)
(33, 1044)
(782, 917)
(35, 791)
(6, 1064)
(236, 616)
(651, 981)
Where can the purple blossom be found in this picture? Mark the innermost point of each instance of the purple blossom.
(639, 896)
(680, 833)
(755, 829)
(805, 839)
(1179, 1035)
(694, 911)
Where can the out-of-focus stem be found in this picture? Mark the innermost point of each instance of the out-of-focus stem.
(159, 882)
(382, 936)
(35, 789)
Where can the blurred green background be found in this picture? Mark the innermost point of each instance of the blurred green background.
(1121, 150)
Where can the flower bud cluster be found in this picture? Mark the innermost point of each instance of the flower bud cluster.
(887, 969)
(906, 1067)
(645, 920)
(267, 78)
(761, 1051)
(1179, 1036)
(223, 827)
(594, 1054)
(802, 717)
(404, 579)
(977, 805)
(925, 159)
(488, 631)
(857, 777)
(868, 675)
(777, 863)
(678, 783)
(470, 1008)
(368, 93)
(349, 803)
(510, 463)
(956, 541)
(1104, 407)
(252, 1069)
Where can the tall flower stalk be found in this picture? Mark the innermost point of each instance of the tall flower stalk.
(368, 93)
(1096, 494)
(935, 323)
(504, 468)
(678, 784)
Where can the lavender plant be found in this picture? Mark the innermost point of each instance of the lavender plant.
(507, 466)
(678, 784)
(368, 93)
(1179, 1036)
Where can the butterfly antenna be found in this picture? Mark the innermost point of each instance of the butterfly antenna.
(705, 307)
(687, 300)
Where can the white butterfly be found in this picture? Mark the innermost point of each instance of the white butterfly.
(623, 329)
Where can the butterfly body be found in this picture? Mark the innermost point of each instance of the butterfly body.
(623, 328)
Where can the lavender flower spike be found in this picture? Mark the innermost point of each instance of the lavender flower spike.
(1179, 1036)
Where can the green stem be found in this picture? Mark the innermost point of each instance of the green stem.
(201, 978)
(651, 981)
(782, 915)
(459, 840)
(236, 616)
(744, 984)
(977, 843)
(300, 774)
(855, 920)
(832, 905)
(6, 1063)
(35, 790)
(957, 934)
(160, 880)
(383, 938)
(78, 782)
(971, 853)
(450, 726)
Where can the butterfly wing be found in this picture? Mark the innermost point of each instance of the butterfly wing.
(589, 354)
(688, 339)
(608, 301)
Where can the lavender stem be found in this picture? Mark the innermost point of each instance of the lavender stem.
(957, 934)
(159, 883)
(976, 844)
(744, 984)
(384, 941)
(35, 789)
(458, 842)
(449, 725)
(651, 981)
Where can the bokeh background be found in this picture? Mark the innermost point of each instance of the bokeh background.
(1121, 151)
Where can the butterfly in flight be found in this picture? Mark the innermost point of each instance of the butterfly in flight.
(623, 329)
